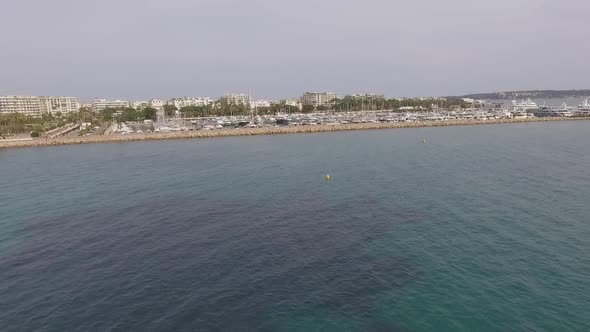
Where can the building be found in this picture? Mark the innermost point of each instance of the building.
(316, 99)
(27, 105)
(35, 105)
(295, 103)
(189, 101)
(368, 96)
(140, 105)
(231, 99)
(260, 103)
(157, 104)
(101, 104)
(58, 104)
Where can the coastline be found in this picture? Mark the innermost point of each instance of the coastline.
(261, 131)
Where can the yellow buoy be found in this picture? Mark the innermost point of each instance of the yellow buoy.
(327, 177)
(424, 141)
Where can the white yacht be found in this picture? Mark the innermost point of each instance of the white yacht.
(524, 105)
(583, 109)
(564, 111)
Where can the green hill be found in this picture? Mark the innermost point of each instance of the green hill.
(538, 94)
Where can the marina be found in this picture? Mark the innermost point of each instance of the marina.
(525, 109)
(264, 123)
(180, 133)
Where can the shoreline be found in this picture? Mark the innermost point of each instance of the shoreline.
(233, 132)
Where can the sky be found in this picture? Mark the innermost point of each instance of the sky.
(142, 49)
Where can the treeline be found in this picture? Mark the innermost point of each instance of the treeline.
(16, 123)
(233, 110)
(347, 104)
(350, 103)
(537, 94)
(127, 114)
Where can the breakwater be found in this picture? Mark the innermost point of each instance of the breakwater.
(262, 131)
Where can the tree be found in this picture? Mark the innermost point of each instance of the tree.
(292, 109)
(72, 116)
(195, 111)
(85, 115)
(150, 113)
(335, 102)
(47, 117)
(307, 108)
(130, 114)
(107, 114)
(170, 110)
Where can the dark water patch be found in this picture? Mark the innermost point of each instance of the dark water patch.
(249, 259)
(384, 326)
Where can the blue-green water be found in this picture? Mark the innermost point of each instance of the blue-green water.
(482, 228)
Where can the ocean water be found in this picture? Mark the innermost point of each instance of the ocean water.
(481, 228)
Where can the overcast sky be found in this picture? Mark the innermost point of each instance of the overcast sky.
(139, 49)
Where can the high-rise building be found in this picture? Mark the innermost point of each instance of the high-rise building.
(261, 103)
(190, 101)
(157, 104)
(295, 103)
(58, 104)
(232, 99)
(101, 104)
(374, 96)
(316, 99)
(140, 105)
(27, 105)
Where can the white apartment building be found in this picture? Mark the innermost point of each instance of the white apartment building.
(190, 101)
(260, 103)
(318, 98)
(374, 96)
(140, 105)
(232, 99)
(157, 104)
(294, 102)
(27, 105)
(101, 104)
(58, 104)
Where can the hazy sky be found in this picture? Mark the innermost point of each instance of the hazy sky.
(137, 49)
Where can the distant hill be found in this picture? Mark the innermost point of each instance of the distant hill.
(538, 94)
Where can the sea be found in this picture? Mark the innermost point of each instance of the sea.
(467, 228)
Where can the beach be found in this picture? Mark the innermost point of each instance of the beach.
(114, 138)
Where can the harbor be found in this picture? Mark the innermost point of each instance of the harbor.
(525, 109)
(179, 124)
(269, 130)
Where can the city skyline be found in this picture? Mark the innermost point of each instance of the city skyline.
(143, 49)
